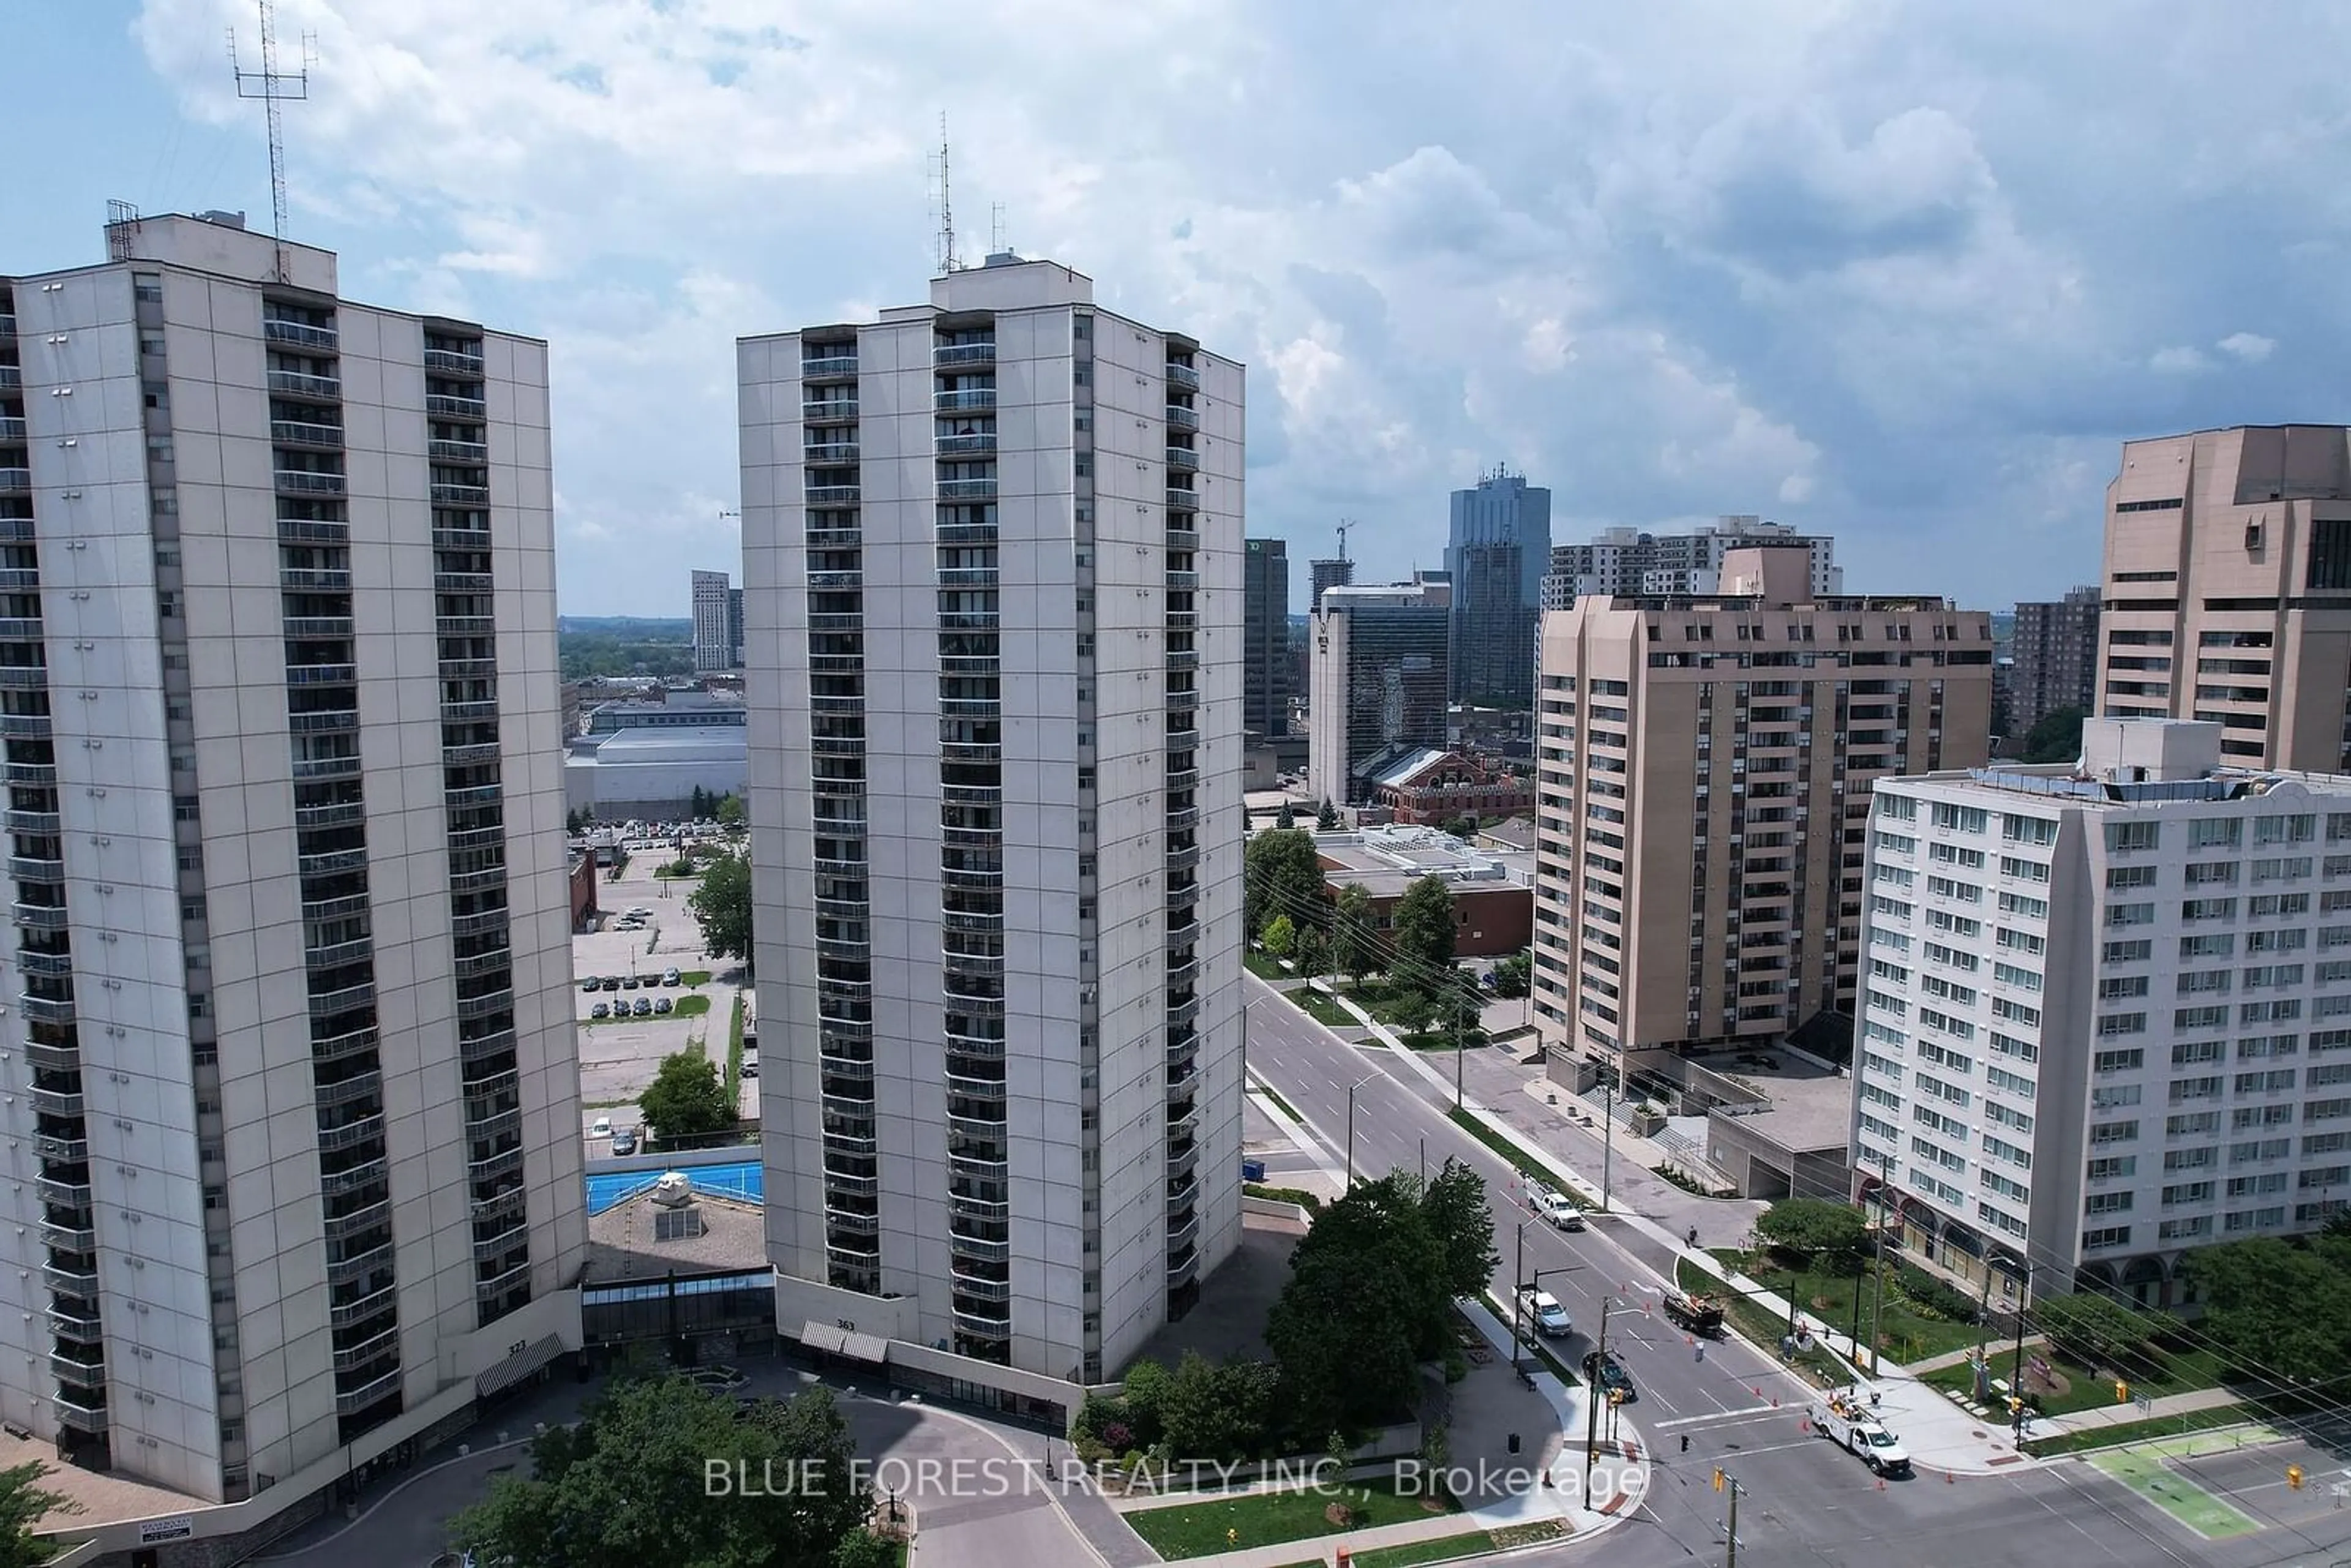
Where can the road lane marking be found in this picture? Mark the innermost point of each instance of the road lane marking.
(1727, 1418)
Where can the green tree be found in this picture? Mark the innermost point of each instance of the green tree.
(24, 1505)
(1143, 1396)
(1353, 951)
(1210, 1411)
(1463, 827)
(1811, 1227)
(685, 1099)
(1367, 1302)
(698, 807)
(1280, 938)
(1423, 931)
(632, 1484)
(1282, 875)
(1311, 955)
(1454, 1207)
(1514, 976)
(730, 812)
(1326, 820)
(577, 819)
(2096, 1328)
(722, 905)
(1458, 1011)
(2056, 737)
(2279, 1306)
(1285, 818)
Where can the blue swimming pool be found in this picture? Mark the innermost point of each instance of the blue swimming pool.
(747, 1180)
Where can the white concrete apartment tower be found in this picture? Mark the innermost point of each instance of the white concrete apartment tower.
(714, 621)
(993, 554)
(289, 1123)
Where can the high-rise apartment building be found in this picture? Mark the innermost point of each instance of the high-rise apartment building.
(292, 1109)
(1626, 561)
(734, 628)
(994, 550)
(1377, 680)
(1706, 763)
(1329, 574)
(2056, 653)
(713, 614)
(2227, 591)
(2107, 1016)
(1496, 553)
(1265, 640)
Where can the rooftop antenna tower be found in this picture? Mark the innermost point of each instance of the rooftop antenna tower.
(274, 86)
(996, 229)
(942, 204)
(1344, 525)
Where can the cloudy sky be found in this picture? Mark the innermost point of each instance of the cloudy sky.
(1906, 273)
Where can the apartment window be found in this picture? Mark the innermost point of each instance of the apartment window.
(1085, 780)
(2216, 832)
(2124, 837)
(2129, 1060)
(183, 808)
(2130, 951)
(2116, 987)
(2195, 1052)
(2106, 1237)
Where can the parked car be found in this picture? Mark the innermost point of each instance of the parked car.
(601, 1010)
(630, 982)
(644, 1008)
(639, 913)
(602, 1127)
(1556, 1208)
(611, 982)
(670, 977)
(1542, 1309)
(588, 985)
(750, 1067)
(663, 1005)
(624, 1142)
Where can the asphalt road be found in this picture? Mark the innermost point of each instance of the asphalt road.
(1803, 1501)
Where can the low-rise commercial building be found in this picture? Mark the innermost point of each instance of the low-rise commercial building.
(1493, 890)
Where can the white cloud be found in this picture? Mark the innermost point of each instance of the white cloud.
(1837, 260)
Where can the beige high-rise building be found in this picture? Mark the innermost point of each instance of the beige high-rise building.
(1706, 769)
(2231, 549)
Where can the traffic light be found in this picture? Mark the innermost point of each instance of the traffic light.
(2015, 1404)
(1718, 1481)
(2293, 1477)
(2121, 1392)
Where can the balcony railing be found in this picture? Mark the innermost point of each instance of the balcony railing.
(966, 489)
(449, 407)
(302, 481)
(969, 398)
(1183, 457)
(297, 383)
(453, 362)
(301, 332)
(964, 354)
(832, 495)
(827, 366)
(1181, 499)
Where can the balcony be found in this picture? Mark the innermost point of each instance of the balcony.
(979, 1047)
(84, 1412)
(296, 383)
(1183, 858)
(828, 451)
(971, 619)
(76, 1327)
(964, 354)
(25, 726)
(1181, 416)
(1179, 781)
(343, 1315)
(991, 1091)
(317, 628)
(65, 1104)
(71, 1278)
(966, 489)
(975, 1326)
(971, 398)
(1182, 1012)
(56, 1151)
(348, 1091)
(1181, 1231)
(829, 411)
(982, 1168)
(1183, 376)
(980, 1248)
(832, 495)
(968, 577)
(350, 1135)
(976, 441)
(978, 920)
(351, 1401)
(42, 917)
(1182, 500)
(453, 362)
(977, 1286)
(299, 332)
(461, 495)
(1183, 458)
(828, 367)
(47, 1010)
(300, 433)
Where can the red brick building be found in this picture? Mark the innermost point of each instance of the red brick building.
(1431, 787)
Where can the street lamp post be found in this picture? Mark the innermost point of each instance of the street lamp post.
(1607, 1137)
(1518, 1299)
(1358, 1083)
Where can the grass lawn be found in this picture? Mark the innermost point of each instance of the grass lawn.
(2139, 1431)
(1262, 1518)
(692, 977)
(1444, 1039)
(1905, 1332)
(1760, 1323)
(691, 1006)
(2081, 1387)
(733, 1078)
(1271, 1092)
(1439, 1549)
(1265, 966)
(1526, 1164)
(1321, 1007)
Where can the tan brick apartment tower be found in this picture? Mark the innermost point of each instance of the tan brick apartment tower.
(2227, 591)
(1706, 769)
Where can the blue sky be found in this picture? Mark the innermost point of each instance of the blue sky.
(1907, 275)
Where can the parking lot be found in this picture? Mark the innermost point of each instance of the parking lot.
(619, 1056)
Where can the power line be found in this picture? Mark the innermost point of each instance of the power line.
(1413, 967)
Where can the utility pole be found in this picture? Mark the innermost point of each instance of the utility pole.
(1592, 1403)
(1455, 1009)
(1608, 1138)
(1358, 1083)
(1517, 1295)
(1730, 1534)
(1878, 1292)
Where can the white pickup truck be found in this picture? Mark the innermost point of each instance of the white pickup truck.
(1861, 1432)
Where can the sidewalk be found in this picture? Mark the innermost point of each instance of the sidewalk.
(1939, 1434)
